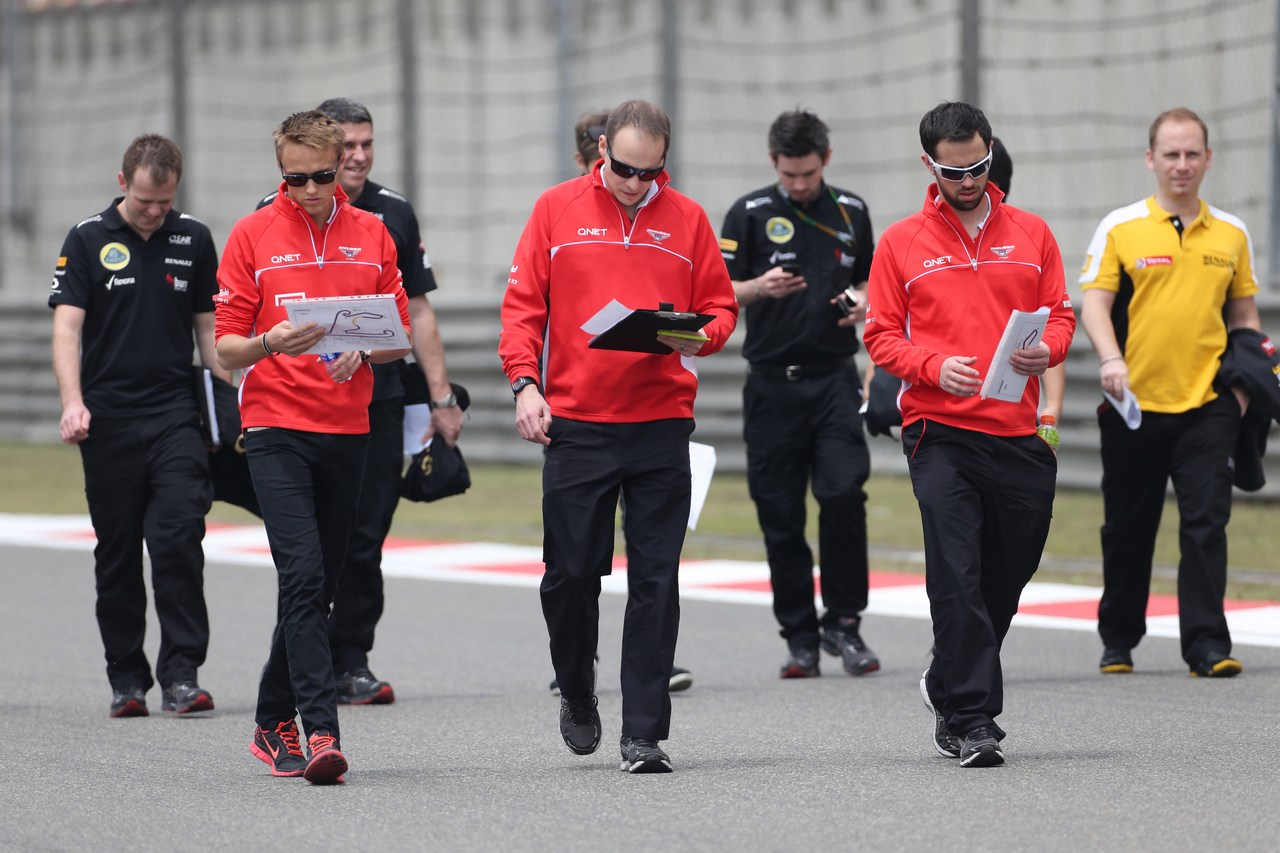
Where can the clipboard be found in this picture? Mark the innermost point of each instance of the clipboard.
(638, 330)
(351, 322)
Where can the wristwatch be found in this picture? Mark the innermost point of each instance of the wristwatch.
(365, 355)
(445, 402)
(522, 383)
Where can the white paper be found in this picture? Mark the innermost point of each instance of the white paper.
(606, 318)
(702, 464)
(351, 322)
(417, 418)
(1022, 332)
(1127, 407)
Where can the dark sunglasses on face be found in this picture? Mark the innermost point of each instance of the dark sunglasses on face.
(299, 179)
(622, 170)
(955, 174)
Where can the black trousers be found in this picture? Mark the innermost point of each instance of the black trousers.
(357, 607)
(1194, 449)
(797, 432)
(147, 480)
(985, 504)
(308, 485)
(587, 467)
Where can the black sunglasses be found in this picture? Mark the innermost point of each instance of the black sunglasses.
(622, 170)
(299, 179)
(594, 132)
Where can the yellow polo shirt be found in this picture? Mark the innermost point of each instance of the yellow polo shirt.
(1170, 292)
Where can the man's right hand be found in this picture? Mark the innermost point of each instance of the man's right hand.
(775, 283)
(958, 377)
(1114, 376)
(74, 425)
(284, 339)
(533, 416)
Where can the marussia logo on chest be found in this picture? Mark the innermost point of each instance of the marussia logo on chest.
(658, 236)
(349, 252)
(1002, 251)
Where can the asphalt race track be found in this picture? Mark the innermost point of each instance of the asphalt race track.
(470, 758)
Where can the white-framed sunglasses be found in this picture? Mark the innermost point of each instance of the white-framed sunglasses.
(955, 174)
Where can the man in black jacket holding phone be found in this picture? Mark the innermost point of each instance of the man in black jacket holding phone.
(799, 253)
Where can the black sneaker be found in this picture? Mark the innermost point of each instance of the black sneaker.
(681, 679)
(1217, 665)
(640, 755)
(981, 748)
(580, 725)
(802, 663)
(361, 687)
(1115, 661)
(843, 639)
(327, 763)
(947, 744)
(279, 748)
(129, 702)
(184, 697)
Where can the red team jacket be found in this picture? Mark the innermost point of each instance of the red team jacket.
(275, 254)
(935, 293)
(577, 253)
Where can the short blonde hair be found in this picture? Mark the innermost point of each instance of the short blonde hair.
(1175, 114)
(313, 129)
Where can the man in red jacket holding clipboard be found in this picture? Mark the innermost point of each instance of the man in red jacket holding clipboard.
(614, 423)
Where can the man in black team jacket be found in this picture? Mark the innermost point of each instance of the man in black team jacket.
(799, 253)
(359, 601)
(131, 285)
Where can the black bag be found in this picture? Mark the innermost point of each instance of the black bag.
(220, 425)
(882, 404)
(438, 471)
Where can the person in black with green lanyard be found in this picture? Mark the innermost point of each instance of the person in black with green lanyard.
(799, 253)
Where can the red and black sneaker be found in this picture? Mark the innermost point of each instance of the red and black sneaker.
(129, 702)
(327, 762)
(185, 697)
(362, 687)
(279, 747)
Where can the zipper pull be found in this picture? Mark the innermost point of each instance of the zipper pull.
(973, 262)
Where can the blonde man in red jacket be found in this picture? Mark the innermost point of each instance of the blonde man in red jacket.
(943, 284)
(306, 420)
(614, 423)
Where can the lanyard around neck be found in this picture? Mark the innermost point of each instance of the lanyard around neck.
(846, 238)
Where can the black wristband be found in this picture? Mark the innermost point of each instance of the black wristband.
(266, 348)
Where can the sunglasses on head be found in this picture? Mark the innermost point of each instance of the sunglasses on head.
(622, 170)
(594, 132)
(300, 179)
(955, 174)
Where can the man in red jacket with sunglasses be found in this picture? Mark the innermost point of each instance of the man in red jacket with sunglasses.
(943, 285)
(615, 424)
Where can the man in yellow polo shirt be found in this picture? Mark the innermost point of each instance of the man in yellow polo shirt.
(1165, 279)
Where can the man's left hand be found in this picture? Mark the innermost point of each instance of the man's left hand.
(684, 346)
(447, 423)
(1033, 361)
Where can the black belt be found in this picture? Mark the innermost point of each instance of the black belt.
(794, 372)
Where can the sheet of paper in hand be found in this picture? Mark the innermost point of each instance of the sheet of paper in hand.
(351, 322)
(1022, 332)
